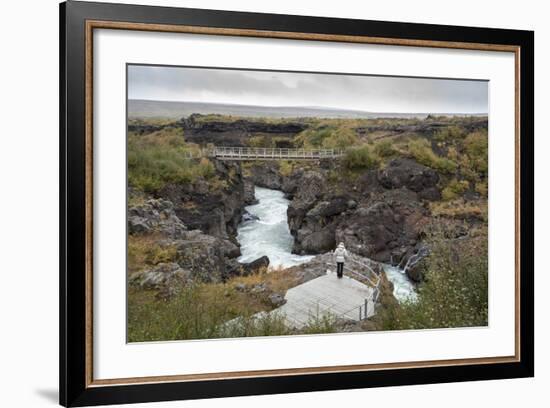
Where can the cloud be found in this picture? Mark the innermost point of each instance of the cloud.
(358, 92)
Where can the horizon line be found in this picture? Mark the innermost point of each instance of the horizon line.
(310, 107)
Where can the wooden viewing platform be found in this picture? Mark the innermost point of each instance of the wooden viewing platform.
(265, 153)
(352, 297)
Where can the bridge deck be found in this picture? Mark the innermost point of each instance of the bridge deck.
(344, 297)
(260, 153)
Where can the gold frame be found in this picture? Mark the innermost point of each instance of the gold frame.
(99, 24)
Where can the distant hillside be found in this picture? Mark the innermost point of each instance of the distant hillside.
(166, 109)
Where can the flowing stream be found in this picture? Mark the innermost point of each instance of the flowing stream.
(403, 288)
(269, 235)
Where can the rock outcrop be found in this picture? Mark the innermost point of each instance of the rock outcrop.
(155, 215)
(386, 229)
(412, 175)
(236, 132)
(169, 278)
(194, 255)
(266, 174)
(215, 207)
(379, 215)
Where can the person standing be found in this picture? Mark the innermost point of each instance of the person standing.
(340, 253)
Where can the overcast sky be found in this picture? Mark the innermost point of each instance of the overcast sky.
(366, 93)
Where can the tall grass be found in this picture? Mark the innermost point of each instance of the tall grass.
(202, 311)
(160, 158)
(421, 150)
(360, 158)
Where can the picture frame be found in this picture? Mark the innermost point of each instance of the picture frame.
(79, 20)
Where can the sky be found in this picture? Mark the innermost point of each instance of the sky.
(340, 91)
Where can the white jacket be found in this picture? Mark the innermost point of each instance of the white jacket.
(340, 253)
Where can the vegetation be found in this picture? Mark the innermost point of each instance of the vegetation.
(422, 152)
(210, 311)
(328, 137)
(384, 149)
(455, 290)
(145, 250)
(360, 158)
(454, 189)
(162, 157)
(460, 209)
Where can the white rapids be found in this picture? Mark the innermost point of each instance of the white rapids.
(269, 234)
(403, 288)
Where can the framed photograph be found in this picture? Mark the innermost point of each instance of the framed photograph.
(256, 204)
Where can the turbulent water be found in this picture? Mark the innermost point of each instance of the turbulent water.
(269, 235)
(403, 288)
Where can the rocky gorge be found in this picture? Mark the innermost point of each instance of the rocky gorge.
(183, 231)
(380, 215)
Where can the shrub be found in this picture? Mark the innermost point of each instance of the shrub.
(160, 158)
(476, 147)
(259, 141)
(454, 189)
(384, 149)
(421, 150)
(460, 209)
(313, 137)
(320, 323)
(482, 188)
(340, 138)
(360, 158)
(455, 290)
(450, 133)
(285, 168)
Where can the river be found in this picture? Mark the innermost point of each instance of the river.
(269, 235)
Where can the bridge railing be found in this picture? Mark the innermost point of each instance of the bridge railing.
(228, 152)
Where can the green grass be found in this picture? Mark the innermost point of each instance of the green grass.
(159, 158)
(422, 152)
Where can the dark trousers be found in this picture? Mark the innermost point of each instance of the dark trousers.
(340, 269)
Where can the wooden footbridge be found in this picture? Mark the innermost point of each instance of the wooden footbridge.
(266, 153)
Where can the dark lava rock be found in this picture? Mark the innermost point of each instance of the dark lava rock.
(384, 230)
(255, 266)
(249, 193)
(410, 174)
(215, 211)
(315, 242)
(266, 174)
